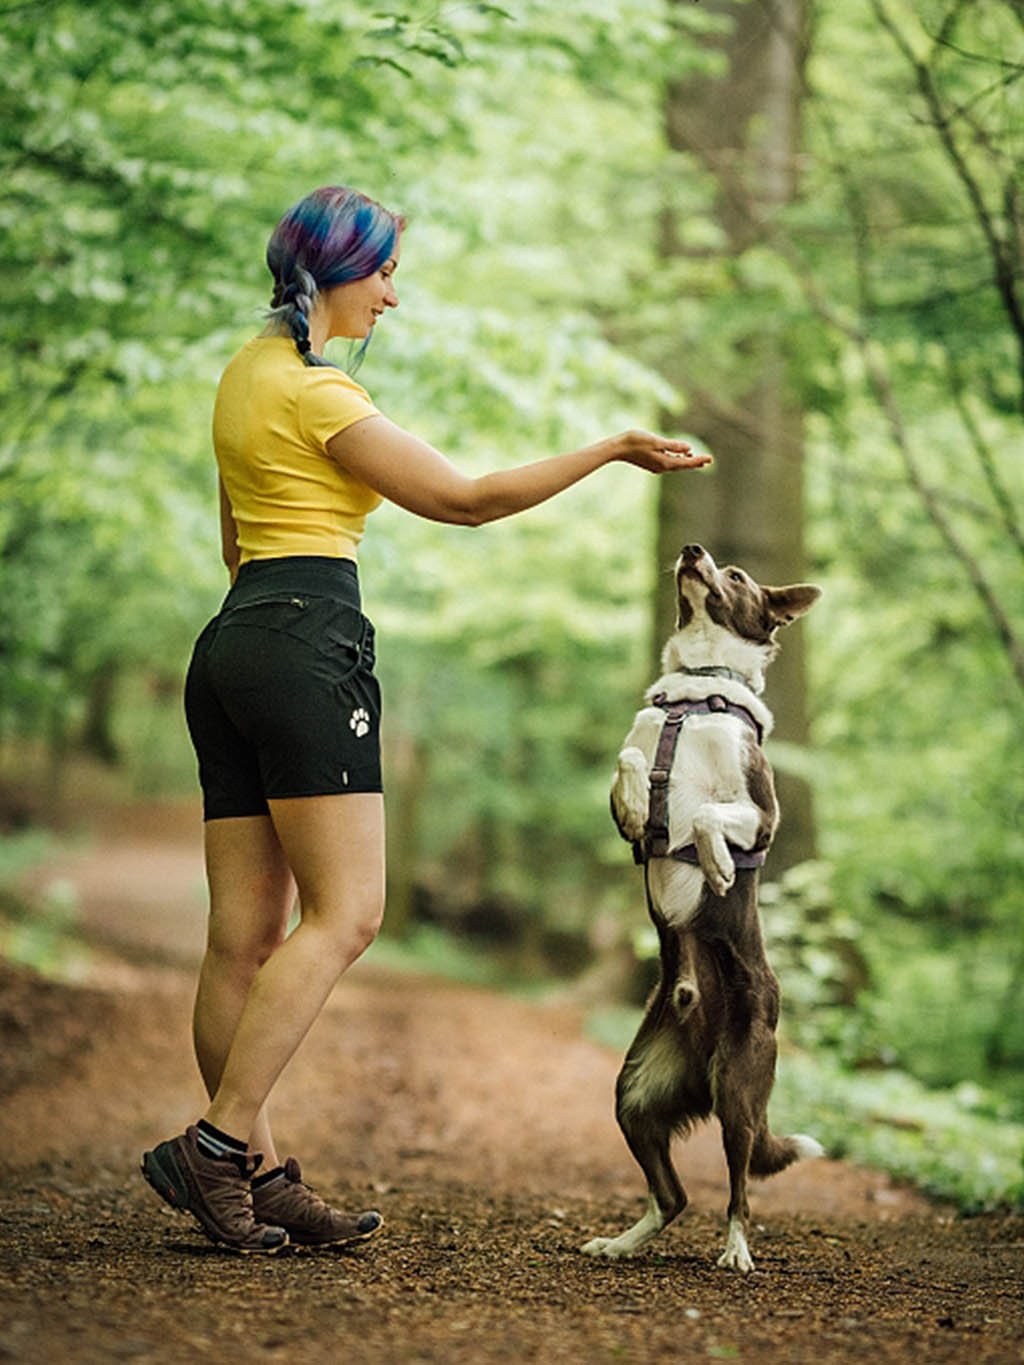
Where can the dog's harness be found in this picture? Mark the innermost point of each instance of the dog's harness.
(655, 841)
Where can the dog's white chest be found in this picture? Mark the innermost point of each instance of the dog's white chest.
(708, 776)
(708, 803)
(708, 766)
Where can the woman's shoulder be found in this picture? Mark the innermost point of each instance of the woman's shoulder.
(330, 378)
(329, 401)
(260, 357)
(267, 373)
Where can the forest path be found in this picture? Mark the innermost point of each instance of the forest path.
(480, 1125)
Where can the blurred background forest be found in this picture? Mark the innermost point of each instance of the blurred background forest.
(792, 230)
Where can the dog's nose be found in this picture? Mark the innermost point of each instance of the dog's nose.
(693, 552)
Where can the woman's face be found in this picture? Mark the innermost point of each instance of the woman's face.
(353, 308)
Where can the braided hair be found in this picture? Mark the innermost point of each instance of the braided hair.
(330, 237)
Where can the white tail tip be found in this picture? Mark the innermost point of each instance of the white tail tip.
(807, 1148)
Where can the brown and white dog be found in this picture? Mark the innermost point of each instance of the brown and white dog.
(694, 793)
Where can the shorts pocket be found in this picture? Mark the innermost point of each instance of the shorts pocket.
(285, 611)
(352, 637)
(339, 633)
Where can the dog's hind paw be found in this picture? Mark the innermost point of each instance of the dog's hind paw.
(735, 1258)
(630, 1241)
(736, 1255)
(608, 1247)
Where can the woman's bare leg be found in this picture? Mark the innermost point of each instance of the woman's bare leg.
(251, 895)
(334, 846)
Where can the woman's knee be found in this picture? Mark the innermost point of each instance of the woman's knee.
(346, 931)
(364, 928)
(242, 953)
(368, 927)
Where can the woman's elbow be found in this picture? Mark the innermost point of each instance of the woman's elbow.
(466, 510)
(445, 513)
(466, 504)
(474, 516)
(481, 504)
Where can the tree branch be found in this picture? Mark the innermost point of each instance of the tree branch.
(879, 380)
(990, 470)
(68, 160)
(881, 387)
(855, 327)
(1002, 253)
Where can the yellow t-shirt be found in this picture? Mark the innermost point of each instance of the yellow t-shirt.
(271, 420)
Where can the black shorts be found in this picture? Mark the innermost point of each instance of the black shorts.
(280, 697)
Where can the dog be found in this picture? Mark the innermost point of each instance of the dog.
(693, 792)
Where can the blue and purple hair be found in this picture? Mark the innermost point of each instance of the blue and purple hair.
(330, 237)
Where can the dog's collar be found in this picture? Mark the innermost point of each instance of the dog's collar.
(714, 671)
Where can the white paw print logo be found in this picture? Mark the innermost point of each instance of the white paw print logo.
(360, 722)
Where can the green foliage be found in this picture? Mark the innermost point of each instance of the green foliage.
(43, 939)
(18, 852)
(146, 151)
(817, 952)
(961, 1145)
(914, 523)
(41, 936)
(859, 1078)
(430, 949)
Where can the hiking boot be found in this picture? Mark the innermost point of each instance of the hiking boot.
(291, 1204)
(215, 1190)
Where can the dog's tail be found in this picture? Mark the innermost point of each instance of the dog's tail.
(772, 1154)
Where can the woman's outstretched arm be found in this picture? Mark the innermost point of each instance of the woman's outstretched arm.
(413, 474)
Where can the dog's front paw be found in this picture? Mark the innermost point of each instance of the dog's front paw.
(716, 863)
(720, 880)
(713, 851)
(608, 1247)
(631, 794)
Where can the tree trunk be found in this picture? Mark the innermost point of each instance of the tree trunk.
(408, 776)
(743, 126)
(97, 734)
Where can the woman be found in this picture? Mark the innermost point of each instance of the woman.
(283, 707)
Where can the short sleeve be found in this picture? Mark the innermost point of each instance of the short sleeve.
(329, 402)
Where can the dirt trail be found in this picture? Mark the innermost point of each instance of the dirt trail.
(481, 1126)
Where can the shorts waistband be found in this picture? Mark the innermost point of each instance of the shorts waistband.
(317, 575)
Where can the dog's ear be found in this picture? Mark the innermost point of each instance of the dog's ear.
(786, 604)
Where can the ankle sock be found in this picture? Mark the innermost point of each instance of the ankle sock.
(214, 1143)
(267, 1177)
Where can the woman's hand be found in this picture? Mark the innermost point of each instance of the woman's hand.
(656, 454)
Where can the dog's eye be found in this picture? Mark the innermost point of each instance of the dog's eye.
(735, 575)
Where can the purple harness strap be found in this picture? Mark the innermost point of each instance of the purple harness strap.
(655, 840)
